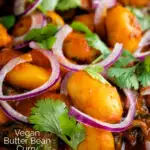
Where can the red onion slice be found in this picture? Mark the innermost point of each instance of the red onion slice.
(57, 50)
(107, 3)
(38, 21)
(19, 7)
(32, 7)
(147, 145)
(101, 7)
(95, 3)
(145, 41)
(63, 87)
(112, 57)
(21, 45)
(51, 81)
(87, 120)
(12, 113)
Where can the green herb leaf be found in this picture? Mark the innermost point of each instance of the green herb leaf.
(68, 4)
(125, 59)
(147, 63)
(8, 21)
(144, 19)
(48, 43)
(78, 26)
(41, 34)
(95, 42)
(124, 77)
(48, 5)
(92, 39)
(52, 116)
(143, 72)
(94, 71)
(144, 78)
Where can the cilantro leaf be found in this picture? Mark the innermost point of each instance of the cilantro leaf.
(52, 116)
(125, 59)
(48, 5)
(41, 34)
(78, 26)
(92, 39)
(48, 43)
(94, 72)
(144, 78)
(143, 72)
(8, 21)
(147, 63)
(124, 77)
(144, 19)
(68, 4)
(95, 42)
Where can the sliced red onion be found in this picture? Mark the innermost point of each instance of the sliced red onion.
(102, 6)
(107, 3)
(145, 41)
(99, 13)
(51, 81)
(123, 147)
(95, 3)
(90, 121)
(21, 45)
(12, 113)
(32, 7)
(58, 51)
(145, 91)
(38, 21)
(113, 57)
(19, 7)
(63, 87)
(147, 145)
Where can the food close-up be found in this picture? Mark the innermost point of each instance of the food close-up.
(74, 74)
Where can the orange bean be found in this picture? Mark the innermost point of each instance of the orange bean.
(97, 139)
(137, 3)
(29, 76)
(5, 38)
(76, 48)
(98, 100)
(87, 19)
(22, 26)
(122, 26)
(55, 18)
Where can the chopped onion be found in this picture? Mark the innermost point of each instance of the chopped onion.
(101, 7)
(107, 3)
(37, 21)
(145, 41)
(113, 57)
(90, 121)
(12, 113)
(123, 147)
(145, 91)
(21, 45)
(63, 87)
(19, 7)
(32, 7)
(51, 81)
(95, 3)
(147, 145)
(58, 51)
